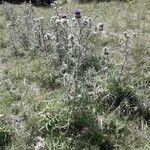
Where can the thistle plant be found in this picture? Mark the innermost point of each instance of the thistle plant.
(71, 85)
(126, 45)
(9, 11)
(68, 39)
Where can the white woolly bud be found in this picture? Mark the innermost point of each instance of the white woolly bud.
(70, 37)
(63, 20)
(100, 27)
(47, 36)
(126, 34)
(134, 35)
(53, 18)
(73, 19)
(58, 21)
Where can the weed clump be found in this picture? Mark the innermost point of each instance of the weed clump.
(70, 83)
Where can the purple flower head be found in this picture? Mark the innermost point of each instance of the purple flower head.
(77, 13)
(64, 16)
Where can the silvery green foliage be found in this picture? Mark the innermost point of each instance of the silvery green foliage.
(9, 11)
(126, 44)
(63, 34)
(25, 30)
(67, 40)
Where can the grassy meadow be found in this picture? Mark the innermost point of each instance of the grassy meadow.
(75, 80)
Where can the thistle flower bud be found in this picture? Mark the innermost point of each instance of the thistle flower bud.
(52, 4)
(105, 49)
(73, 19)
(47, 36)
(65, 65)
(70, 37)
(77, 13)
(85, 22)
(134, 35)
(58, 21)
(53, 18)
(56, 2)
(42, 18)
(64, 16)
(100, 26)
(63, 20)
(126, 35)
(59, 16)
(90, 22)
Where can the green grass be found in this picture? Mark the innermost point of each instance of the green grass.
(31, 89)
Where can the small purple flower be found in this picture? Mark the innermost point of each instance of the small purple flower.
(77, 13)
